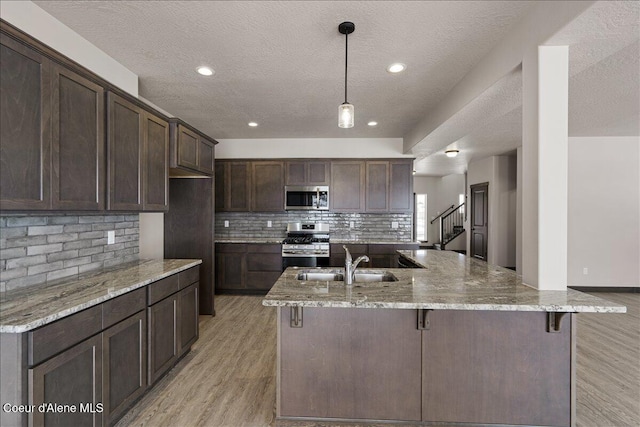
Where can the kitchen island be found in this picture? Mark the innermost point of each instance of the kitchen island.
(456, 341)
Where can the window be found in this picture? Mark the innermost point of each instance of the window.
(461, 201)
(421, 217)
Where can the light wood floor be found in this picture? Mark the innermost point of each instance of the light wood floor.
(228, 379)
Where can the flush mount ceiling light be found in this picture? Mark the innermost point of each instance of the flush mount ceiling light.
(451, 153)
(345, 110)
(372, 123)
(252, 124)
(205, 71)
(396, 67)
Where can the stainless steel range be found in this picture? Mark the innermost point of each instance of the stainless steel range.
(306, 245)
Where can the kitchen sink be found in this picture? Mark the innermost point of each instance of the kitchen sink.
(322, 277)
(362, 276)
(375, 277)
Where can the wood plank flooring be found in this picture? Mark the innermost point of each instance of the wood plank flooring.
(228, 379)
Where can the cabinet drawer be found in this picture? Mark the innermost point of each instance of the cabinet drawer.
(189, 276)
(231, 247)
(58, 336)
(266, 248)
(123, 306)
(163, 288)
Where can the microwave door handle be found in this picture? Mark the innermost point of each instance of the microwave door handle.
(317, 197)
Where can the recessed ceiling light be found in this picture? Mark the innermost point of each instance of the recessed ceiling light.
(451, 153)
(205, 71)
(396, 67)
(252, 124)
(372, 123)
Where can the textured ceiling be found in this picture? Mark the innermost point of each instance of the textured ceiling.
(281, 64)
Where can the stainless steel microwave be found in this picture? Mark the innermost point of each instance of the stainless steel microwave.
(306, 197)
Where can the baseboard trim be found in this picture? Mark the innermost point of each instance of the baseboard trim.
(628, 289)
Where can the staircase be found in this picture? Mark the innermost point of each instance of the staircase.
(451, 223)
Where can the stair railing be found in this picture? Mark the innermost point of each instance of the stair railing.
(451, 225)
(442, 214)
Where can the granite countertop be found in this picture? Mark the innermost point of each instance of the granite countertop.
(336, 241)
(370, 242)
(27, 308)
(274, 240)
(449, 281)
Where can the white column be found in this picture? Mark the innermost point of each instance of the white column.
(545, 112)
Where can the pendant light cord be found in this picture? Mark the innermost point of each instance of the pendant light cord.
(346, 58)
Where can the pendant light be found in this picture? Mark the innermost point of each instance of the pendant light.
(345, 110)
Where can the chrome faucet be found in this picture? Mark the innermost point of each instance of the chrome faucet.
(350, 267)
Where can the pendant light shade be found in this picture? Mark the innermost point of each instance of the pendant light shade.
(345, 115)
(346, 111)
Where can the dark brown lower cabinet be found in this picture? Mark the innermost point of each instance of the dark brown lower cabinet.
(125, 365)
(496, 367)
(188, 311)
(247, 267)
(73, 378)
(351, 363)
(163, 336)
(264, 266)
(173, 327)
(458, 367)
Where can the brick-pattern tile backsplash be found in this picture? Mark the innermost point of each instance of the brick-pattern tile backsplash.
(371, 227)
(37, 249)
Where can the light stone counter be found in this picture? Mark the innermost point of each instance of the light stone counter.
(28, 308)
(448, 281)
(270, 240)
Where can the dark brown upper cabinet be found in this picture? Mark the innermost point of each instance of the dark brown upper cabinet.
(401, 185)
(191, 151)
(233, 186)
(307, 172)
(377, 186)
(389, 185)
(267, 191)
(77, 145)
(125, 154)
(52, 143)
(138, 147)
(347, 186)
(155, 177)
(25, 127)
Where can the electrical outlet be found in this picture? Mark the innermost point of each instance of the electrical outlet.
(350, 224)
(394, 224)
(226, 224)
(268, 223)
(585, 271)
(111, 237)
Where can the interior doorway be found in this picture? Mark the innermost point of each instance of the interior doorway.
(479, 220)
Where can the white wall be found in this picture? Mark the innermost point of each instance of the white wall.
(441, 192)
(604, 211)
(271, 148)
(500, 173)
(31, 19)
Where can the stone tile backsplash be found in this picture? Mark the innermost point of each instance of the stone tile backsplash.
(373, 227)
(35, 249)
